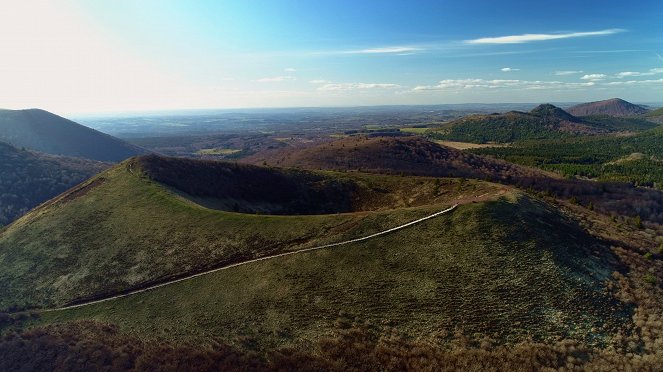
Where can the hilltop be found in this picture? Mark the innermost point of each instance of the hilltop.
(46, 132)
(151, 219)
(611, 107)
(28, 179)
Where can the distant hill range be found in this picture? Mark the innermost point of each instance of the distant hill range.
(612, 107)
(28, 179)
(545, 121)
(45, 132)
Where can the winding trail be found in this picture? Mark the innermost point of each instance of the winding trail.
(131, 293)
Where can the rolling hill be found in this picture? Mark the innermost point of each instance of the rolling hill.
(502, 278)
(611, 107)
(28, 179)
(412, 155)
(124, 229)
(544, 121)
(45, 132)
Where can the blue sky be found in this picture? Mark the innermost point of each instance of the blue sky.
(86, 56)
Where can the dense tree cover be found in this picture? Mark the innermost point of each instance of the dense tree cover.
(500, 128)
(543, 122)
(609, 158)
(28, 179)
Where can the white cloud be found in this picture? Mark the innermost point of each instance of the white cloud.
(594, 77)
(275, 79)
(509, 69)
(639, 82)
(290, 69)
(458, 84)
(567, 72)
(400, 50)
(356, 86)
(653, 71)
(526, 38)
(319, 81)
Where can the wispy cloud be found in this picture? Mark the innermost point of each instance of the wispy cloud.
(399, 50)
(356, 86)
(509, 69)
(289, 69)
(275, 79)
(526, 38)
(653, 71)
(458, 84)
(319, 81)
(636, 82)
(594, 77)
(567, 72)
(659, 56)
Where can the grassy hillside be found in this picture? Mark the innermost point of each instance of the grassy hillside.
(494, 268)
(46, 132)
(123, 230)
(28, 179)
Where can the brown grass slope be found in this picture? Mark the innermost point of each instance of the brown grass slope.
(417, 156)
(612, 107)
(49, 133)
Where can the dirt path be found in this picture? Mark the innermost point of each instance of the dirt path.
(252, 261)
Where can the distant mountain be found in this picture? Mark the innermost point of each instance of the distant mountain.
(543, 122)
(611, 107)
(28, 179)
(49, 133)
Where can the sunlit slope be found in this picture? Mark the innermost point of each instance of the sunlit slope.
(123, 230)
(510, 269)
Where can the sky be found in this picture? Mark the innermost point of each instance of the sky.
(82, 56)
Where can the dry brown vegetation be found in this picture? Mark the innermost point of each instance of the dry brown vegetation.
(416, 156)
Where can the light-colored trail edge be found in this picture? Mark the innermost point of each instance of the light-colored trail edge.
(127, 294)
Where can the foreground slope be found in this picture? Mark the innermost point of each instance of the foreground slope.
(28, 179)
(49, 133)
(512, 269)
(124, 229)
(611, 107)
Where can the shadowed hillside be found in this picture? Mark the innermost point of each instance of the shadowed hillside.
(46, 132)
(28, 179)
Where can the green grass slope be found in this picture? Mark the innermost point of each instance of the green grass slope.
(122, 229)
(28, 179)
(511, 269)
(49, 133)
